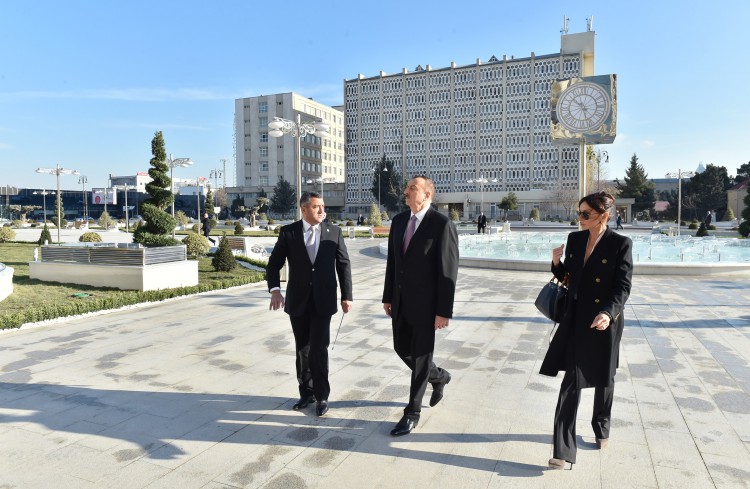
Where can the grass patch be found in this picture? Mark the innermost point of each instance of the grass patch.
(35, 300)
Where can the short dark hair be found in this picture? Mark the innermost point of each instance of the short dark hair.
(306, 196)
(601, 202)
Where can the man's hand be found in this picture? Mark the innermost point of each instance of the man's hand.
(441, 322)
(277, 300)
(387, 308)
(346, 306)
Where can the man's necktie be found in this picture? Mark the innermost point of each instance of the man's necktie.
(410, 232)
(311, 244)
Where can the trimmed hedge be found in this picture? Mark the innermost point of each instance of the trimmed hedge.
(43, 312)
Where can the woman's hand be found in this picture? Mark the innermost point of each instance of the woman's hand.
(601, 322)
(557, 254)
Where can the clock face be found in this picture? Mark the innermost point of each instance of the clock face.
(583, 107)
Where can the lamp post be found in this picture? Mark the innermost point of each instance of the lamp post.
(173, 162)
(125, 187)
(83, 181)
(44, 194)
(298, 130)
(481, 180)
(375, 169)
(216, 175)
(679, 174)
(599, 164)
(57, 170)
(321, 180)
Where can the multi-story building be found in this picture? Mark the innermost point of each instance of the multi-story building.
(488, 121)
(262, 160)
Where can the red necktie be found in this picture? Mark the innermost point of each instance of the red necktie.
(410, 232)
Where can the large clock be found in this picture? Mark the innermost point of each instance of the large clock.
(583, 107)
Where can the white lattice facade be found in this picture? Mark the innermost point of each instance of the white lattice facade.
(262, 160)
(454, 124)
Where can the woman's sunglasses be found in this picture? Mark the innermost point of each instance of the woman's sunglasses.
(585, 215)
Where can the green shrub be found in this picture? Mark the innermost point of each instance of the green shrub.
(350, 223)
(90, 237)
(197, 244)
(534, 214)
(277, 230)
(375, 215)
(711, 227)
(702, 231)
(683, 223)
(729, 215)
(454, 215)
(694, 225)
(105, 221)
(574, 222)
(223, 260)
(157, 240)
(181, 218)
(228, 223)
(263, 216)
(745, 228)
(7, 234)
(45, 236)
(238, 229)
(196, 228)
(271, 221)
(384, 215)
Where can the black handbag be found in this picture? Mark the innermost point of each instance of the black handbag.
(551, 300)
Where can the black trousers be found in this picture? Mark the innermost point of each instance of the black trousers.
(312, 334)
(564, 434)
(415, 346)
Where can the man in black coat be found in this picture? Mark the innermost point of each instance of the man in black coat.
(420, 284)
(316, 253)
(481, 223)
(206, 221)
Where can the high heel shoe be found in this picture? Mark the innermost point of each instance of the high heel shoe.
(602, 443)
(558, 464)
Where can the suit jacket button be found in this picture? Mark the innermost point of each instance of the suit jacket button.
(596, 301)
(604, 260)
(313, 269)
(598, 280)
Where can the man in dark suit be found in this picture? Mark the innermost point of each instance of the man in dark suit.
(420, 283)
(316, 254)
(481, 223)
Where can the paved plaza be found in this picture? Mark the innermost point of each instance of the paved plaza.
(197, 393)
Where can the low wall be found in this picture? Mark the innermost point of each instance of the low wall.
(6, 281)
(130, 277)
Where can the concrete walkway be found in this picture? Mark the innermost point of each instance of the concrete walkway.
(197, 393)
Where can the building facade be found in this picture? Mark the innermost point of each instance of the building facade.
(486, 122)
(262, 160)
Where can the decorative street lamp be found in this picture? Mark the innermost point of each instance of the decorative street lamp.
(679, 175)
(176, 162)
(125, 187)
(44, 195)
(599, 155)
(216, 175)
(57, 170)
(298, 130)
(481, 181)
(321, 180)
(379, 175)
(83, 181)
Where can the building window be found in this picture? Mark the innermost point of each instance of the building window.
(264, 180)
(263, 151)
(264, 137)
(262, 122)
(263, 107)
(263, 166)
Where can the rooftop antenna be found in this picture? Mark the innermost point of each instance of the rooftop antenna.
(590, 23)
(564, 30)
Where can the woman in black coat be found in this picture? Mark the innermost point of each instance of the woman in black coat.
(598, 264)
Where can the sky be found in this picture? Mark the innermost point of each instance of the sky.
(86, 84)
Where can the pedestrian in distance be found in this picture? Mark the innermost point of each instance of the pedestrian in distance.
(206, 222)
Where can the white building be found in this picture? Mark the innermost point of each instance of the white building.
(262, 160)
(489, 119)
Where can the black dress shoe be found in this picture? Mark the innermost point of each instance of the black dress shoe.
(322, 407)
(437, 391)
(303, 402)
(404, 426)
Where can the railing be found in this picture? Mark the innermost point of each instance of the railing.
(113, 254)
